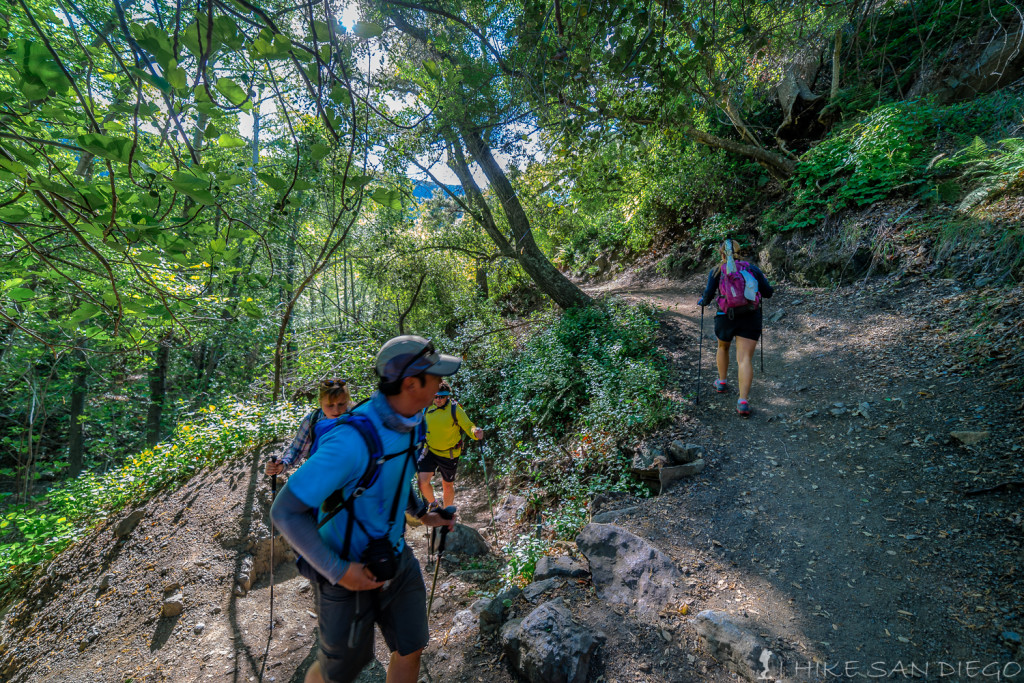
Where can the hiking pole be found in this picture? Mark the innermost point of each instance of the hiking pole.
(762, 339)
(273, 497)
(446, 513)
(270, 633)
(700, 350)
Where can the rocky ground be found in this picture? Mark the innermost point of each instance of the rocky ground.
(848, 527)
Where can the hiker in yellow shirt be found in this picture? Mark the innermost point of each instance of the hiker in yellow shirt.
(445, 422)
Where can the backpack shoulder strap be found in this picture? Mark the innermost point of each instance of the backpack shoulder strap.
(455, 406)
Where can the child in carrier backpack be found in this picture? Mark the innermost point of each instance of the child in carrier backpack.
(335, 399)
(740, 286)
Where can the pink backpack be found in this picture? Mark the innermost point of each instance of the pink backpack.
(737, 286)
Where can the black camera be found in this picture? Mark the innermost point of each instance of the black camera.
(380, 558)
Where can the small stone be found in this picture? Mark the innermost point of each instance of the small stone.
(172, 587)
(645, 667)
(969, 438)
(105, 582)
(1011, 637)
(215, 610)
(172, 606)
(199, 628)
(128, 524)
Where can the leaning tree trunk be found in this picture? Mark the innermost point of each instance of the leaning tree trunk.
(536, 264)
(157, 391)
(78, 389)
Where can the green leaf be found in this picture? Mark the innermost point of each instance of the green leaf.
(158, 81)
(230, 141)
(38, 68)
(318, 151)
(231, 90)
(21, 294)
(391, 199)
(358, 181)
(106, 146)
(194, 187)
(367, 30)
(341, 95)
(432, 69)
(13, 166)
(84, 312)
(272, 180)
(176, 76)
(322, 31)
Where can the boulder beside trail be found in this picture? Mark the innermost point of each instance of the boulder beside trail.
(740, 650)
(465, 540)
(626, 568)
(559, 565)
(549, 646)
(494, 612)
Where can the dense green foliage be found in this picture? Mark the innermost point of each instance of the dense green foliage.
(34, 533)
(563, 410)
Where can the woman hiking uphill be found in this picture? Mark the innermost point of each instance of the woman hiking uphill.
(740, 286)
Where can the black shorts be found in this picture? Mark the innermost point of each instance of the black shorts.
(746, 325)
(399, 608)
(431, 462)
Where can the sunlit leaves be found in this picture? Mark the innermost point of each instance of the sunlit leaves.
(40, 72)
(235, 94)
(193, 185)
(367, 30)
(106, 146)
(391, 199)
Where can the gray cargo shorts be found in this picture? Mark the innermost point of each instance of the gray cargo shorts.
(346, 620)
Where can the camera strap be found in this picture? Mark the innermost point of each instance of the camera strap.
(368, 479)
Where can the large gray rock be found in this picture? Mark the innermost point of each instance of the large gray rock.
(682, 454)
(740, 650)
(493, 613)
(465, 540)
(625, 567)
(127, 525)
(559, 565)
(548, 646)
(613, 516)
(609, 500)
(650, 456)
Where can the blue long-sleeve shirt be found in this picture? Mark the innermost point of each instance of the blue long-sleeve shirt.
(763, 286)
(339, 463)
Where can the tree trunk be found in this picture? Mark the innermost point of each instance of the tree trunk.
(778, 165)
(531, 258)
(481, 279)
(78, 392)
(157, 391)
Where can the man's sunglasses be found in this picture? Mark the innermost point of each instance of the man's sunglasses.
(329, 383)
(427, 350)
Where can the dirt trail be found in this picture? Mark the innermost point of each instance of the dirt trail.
(836, 514)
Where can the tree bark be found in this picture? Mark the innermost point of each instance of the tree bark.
(778, 165)
(79, 387)
(157, 391)
(548, 278)
(481, 279)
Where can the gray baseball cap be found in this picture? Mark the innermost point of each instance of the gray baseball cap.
(409, 355)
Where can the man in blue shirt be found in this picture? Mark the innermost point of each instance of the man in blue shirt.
(349, 597)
